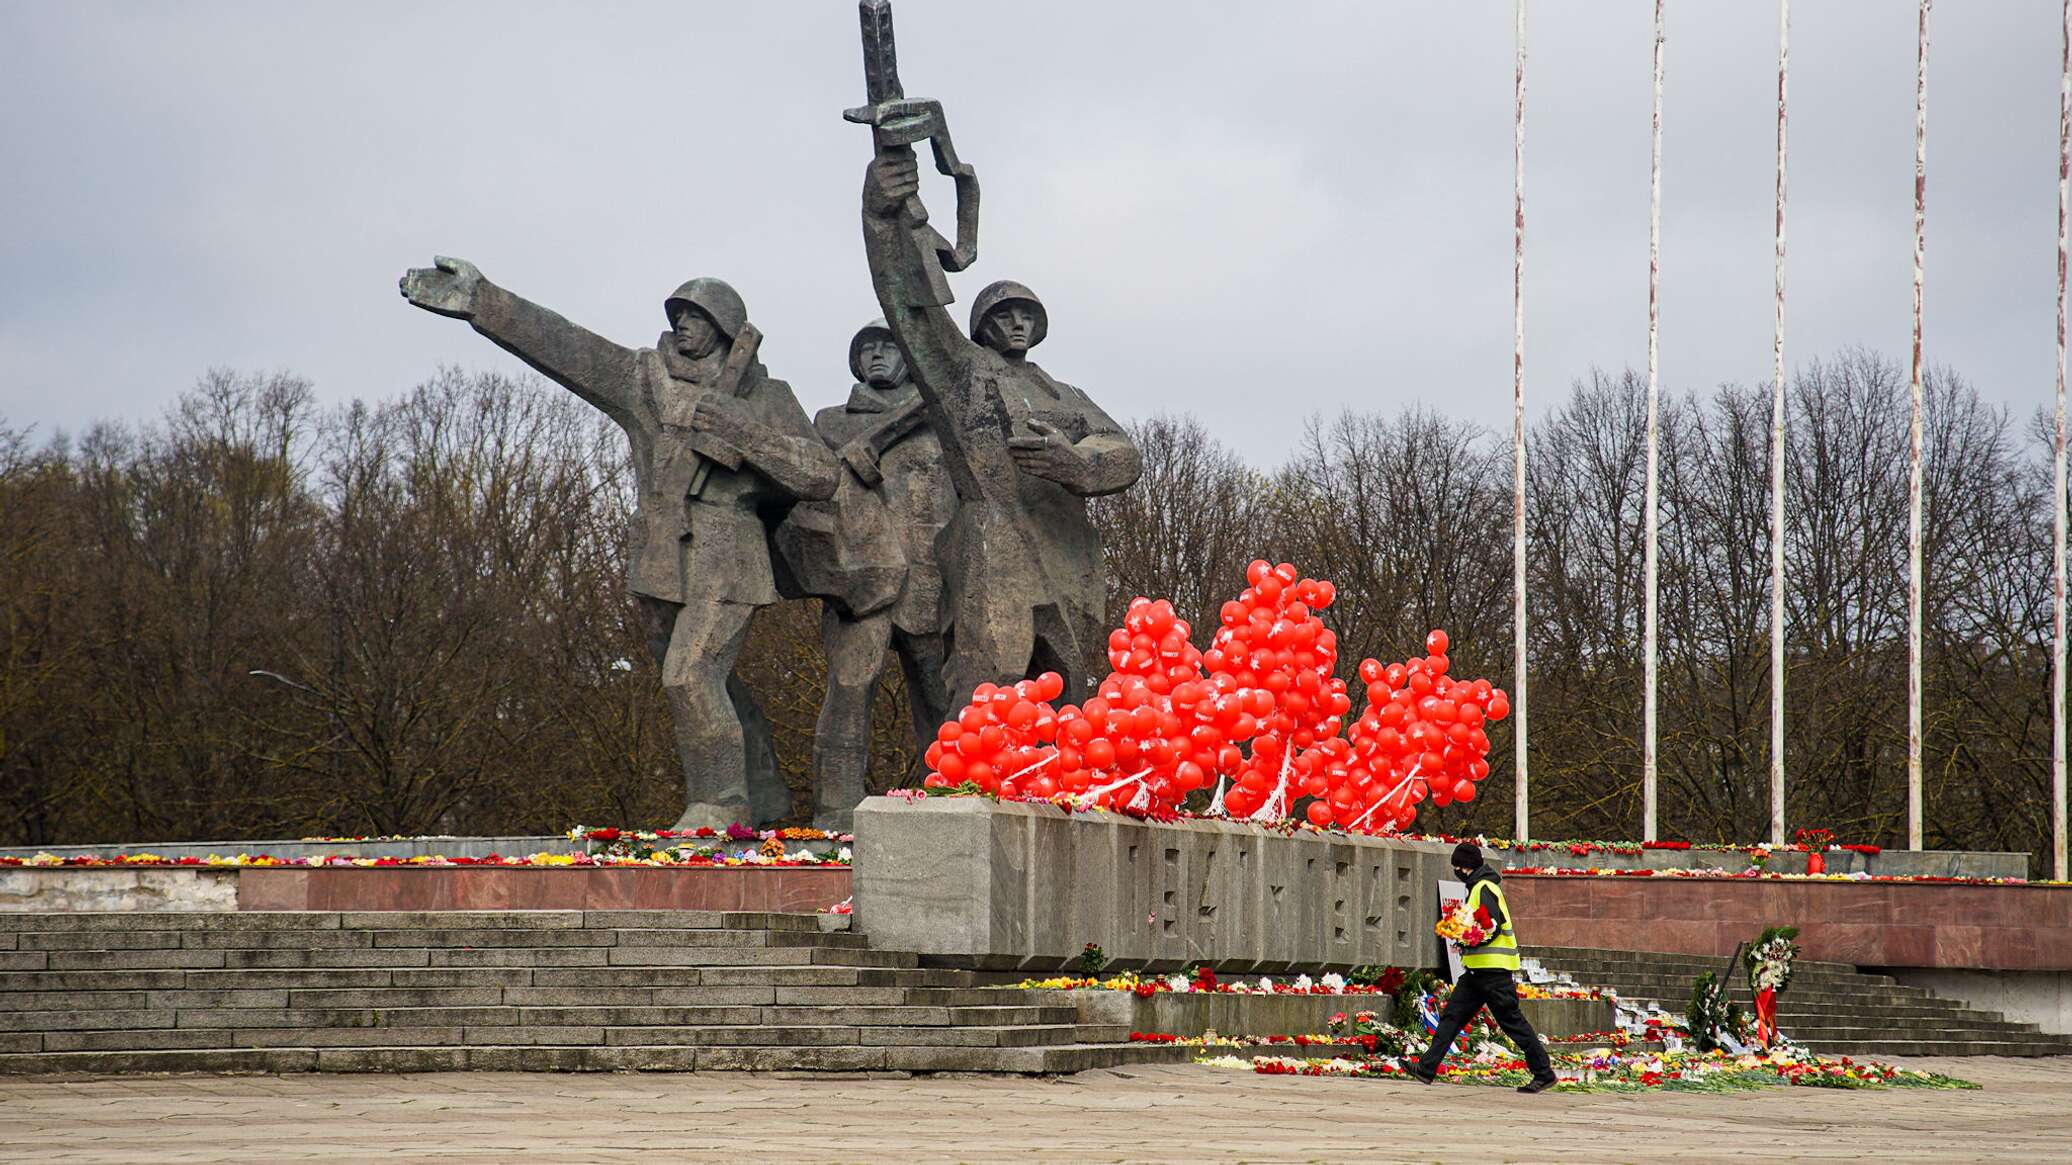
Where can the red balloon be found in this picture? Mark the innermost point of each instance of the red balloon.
(1320, 813)
(1464, 791)
(1436, 643)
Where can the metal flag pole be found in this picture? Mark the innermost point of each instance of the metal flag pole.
(1523, 800)
(1650, 647)
(1914, 448)
(2057, 643)
(1777, 455)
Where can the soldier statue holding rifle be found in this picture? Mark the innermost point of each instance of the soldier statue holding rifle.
(1021, 558)
(720, 452)
(869, 555)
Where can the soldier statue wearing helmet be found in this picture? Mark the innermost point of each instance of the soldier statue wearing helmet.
(720, 452)
(869, 555)
(1021, 558)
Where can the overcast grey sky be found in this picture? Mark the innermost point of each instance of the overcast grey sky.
(1252, 211)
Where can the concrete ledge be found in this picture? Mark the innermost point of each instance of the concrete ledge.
(1008, 885)
(58, 890)
(1289, 1015)
(1888, 864)
(776, 890)
(403, 847)
(406, 847)
(2043, 998)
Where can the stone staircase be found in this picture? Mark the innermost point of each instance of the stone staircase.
(509, 991)
(1830, 1008)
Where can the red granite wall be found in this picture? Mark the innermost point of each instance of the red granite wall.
(1875, 924)
(531, 888)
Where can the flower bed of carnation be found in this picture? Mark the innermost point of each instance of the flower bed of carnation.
(614, 836)
(1653, 1057)
(1203, 982)
(1750, 875)
(682, 858)
(1609, 1070)
(1581, 847)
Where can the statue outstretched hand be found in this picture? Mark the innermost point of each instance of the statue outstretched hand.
(447, 287)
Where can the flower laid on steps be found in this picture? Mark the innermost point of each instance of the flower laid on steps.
(1615, 1071)
(1752, 874)
(1769, 973)
(1203, 982)
(692, 857)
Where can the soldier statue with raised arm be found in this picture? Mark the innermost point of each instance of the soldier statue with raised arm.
(1025, 451)
(720, 452)
(1021, 558)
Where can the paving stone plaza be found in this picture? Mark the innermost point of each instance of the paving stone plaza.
(1174, 1113)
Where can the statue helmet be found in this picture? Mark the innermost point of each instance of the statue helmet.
(718, 300)
(874, 330)
(1008, 291)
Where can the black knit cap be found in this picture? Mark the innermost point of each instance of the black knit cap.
(1466, 856)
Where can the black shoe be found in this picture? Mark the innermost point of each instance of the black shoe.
(1414, 1070)
(1539, 1084)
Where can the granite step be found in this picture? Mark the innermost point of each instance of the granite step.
(503, 937)
(532, 920)
(1036, 1059)
(793, 975)
(493, 1013)
(1894, 1049)
(337, 957)
(511, 990)
(750, 1034)
(1829, 1007)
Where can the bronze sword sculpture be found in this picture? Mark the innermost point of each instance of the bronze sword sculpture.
(897, 120)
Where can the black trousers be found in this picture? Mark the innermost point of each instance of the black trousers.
(1496, 991)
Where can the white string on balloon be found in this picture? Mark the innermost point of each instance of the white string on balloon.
(1522, 805)
(1777, 452)
(1653, 566)
(1914, 581)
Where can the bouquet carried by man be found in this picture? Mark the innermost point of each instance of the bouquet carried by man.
(1463, 927)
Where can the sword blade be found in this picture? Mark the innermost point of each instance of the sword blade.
(880, 56)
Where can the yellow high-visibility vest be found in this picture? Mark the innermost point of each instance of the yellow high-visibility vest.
(1501, 952)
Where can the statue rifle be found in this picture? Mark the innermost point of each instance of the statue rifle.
(897, 120)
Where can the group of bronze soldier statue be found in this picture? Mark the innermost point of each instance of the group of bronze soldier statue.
(939, 513)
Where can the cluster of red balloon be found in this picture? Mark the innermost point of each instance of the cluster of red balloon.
(1420, 737)
(1171, 718)
(1277, 657)
(1001, 741)
(1139, 743)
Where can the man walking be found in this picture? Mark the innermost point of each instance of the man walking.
(1486, 981)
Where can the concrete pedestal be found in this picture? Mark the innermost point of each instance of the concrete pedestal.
(1008, 885)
